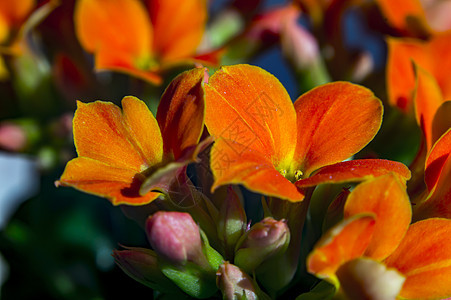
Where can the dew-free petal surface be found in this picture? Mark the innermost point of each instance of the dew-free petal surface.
(354, 170)
(439, 46)
(178, 27)
(114, 28)
(181, 112)
(386, 197)
(250, 106)
(400, 72)
(428, 98)
(344, 242)
(397, 13)
(234, 163)
(119, 185)
(12, 15)
(100, 133)
(143, 129)
(424, 257)
(334, 121)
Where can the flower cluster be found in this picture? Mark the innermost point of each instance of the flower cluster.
(241, 191)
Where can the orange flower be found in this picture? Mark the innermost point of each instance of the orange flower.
(12, 15)
(270, 146)
(404, 14)
(376, 229)
(124, 155)
(17, 18)
(129, 37)
(431, 110)
(432, 56)
(433, 116)
(417, 17)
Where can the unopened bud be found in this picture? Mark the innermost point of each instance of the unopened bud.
(141, 265)
(232, 222)
(12, 137)
(234, 283)
(175, 236)
(264, 240)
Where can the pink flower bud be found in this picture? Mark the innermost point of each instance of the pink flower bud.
(264, 240)
(12, 137)
(175, 236)
(234, 283)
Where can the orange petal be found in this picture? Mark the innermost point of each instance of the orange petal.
(334, 122)
(120, 30)
(436, 160)
(354, 170)
(12, 15)
(102, 133)
(364, 278)
(439, 47)
(143, 129)
(119, 185)
(398, 13)
(386, 197)
(400, 74)
(181, 112)
(424, 257)
(210, 58)
(344, 242)
(234, 163)
(428, 97)
(249, 106)
(438, 202)
(178, 27)
(442, 120)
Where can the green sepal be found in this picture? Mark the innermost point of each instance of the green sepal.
(213, 257)
(191, 278)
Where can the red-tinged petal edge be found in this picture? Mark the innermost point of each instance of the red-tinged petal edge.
(344, 242)
(181, 112)
(437, 159)
(442, 120)
(424, 257)
(437, 204)
(355, 170)
(210, 58)
(115, 63)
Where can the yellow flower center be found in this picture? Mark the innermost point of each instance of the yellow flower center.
(291, 176)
